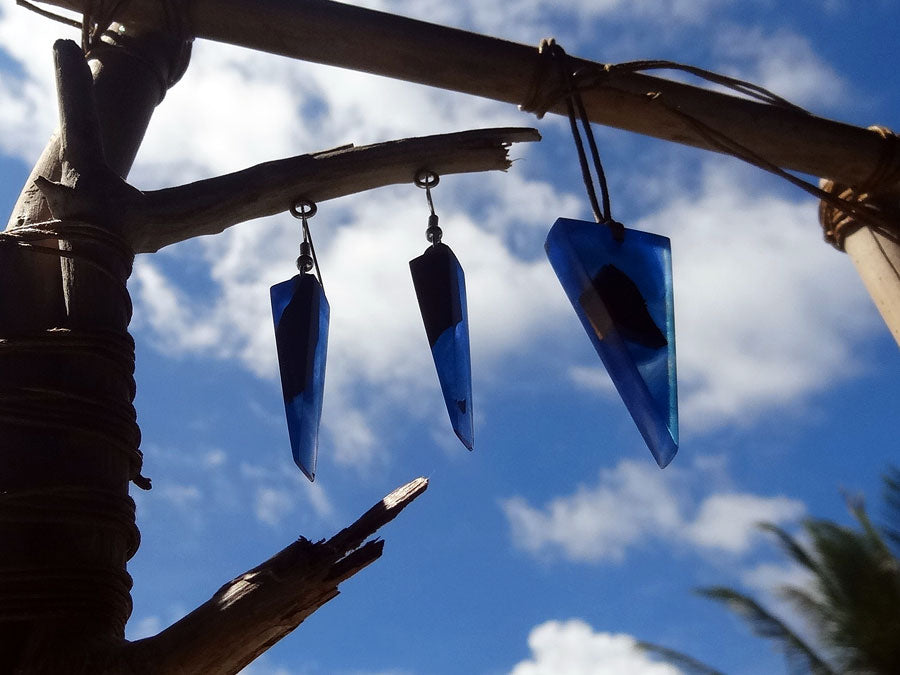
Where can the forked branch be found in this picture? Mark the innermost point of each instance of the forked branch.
(91, 192)
(252, 612)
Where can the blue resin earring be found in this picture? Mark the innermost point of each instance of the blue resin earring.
(300, 312)
(619, 282)
(441, 291)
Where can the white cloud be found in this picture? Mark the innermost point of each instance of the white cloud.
(574, 648)
(142, 628)
(201, 480)
(783, 62)
(629, 503)
(272, 505)
(635, 503)
(769, 577)
(728, 521)
(28, 109)
(755, 325)
(181, 496)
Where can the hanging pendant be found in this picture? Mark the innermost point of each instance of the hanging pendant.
(441, 290)
(301, 312)
(622, 293)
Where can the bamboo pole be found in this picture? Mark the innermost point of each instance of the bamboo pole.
(877, 259)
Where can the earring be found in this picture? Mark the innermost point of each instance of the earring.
(300, 312)
(441, 291)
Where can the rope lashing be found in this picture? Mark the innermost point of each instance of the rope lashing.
(843, 208)
(111, 421)
(91, 414)
(838, 223)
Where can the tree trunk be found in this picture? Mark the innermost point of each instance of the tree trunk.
(68, 435)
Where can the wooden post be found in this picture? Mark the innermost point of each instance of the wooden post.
(876, 256)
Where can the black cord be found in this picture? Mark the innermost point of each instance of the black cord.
(576, 110)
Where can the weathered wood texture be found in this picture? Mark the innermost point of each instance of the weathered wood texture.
(255, 610)
(68, 434)
(158, 218)
(343, 35)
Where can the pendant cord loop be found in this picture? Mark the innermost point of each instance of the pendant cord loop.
(576, 111)
(841, 207)
(428, 179)
(303, 210)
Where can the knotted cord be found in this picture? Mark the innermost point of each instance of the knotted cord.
(576, 111)
(843, 208)
(838, 223)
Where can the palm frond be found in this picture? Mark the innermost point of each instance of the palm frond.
(875, 539)
(791, 546)
(892, 504)
(857, 589)
(686, 663)
(767, 625)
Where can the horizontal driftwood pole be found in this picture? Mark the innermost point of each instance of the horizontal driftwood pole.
(210, 206)
(342, 35)
(151, 220)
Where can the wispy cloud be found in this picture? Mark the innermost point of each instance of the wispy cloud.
(635, 503)
(574, 648)
(202, 482)
(753, 331)
(783, 62)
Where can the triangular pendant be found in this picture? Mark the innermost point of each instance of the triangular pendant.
(300, 312)
(441, 291)
(622, 292)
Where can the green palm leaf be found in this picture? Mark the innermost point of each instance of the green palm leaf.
(851, 603)
(801, 657)
(791, 546)
(686, 663)
(892, 504)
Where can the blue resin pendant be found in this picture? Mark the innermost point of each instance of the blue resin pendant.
(300, 312)
(622, 292)
(441, 290)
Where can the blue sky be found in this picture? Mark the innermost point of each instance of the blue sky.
(558, 541)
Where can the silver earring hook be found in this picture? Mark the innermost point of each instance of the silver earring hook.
(428, 179)
(303, 210)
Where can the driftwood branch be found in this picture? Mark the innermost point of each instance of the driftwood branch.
(255, 610)
(92, 192)
(164, 217)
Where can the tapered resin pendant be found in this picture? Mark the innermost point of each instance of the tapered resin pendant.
(301, 313)
(441, 290)
(622, 292)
